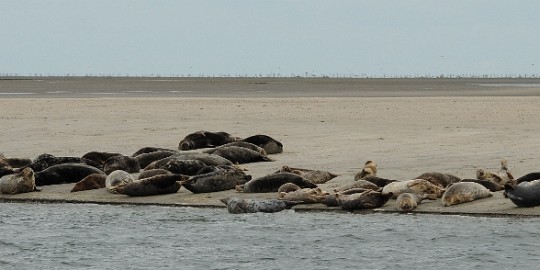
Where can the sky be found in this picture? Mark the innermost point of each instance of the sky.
(270, 38)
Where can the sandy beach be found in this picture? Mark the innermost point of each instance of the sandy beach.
(446, 126)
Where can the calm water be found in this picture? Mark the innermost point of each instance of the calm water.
(71, 236)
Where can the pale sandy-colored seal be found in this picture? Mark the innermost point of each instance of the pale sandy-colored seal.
(220, 180)
(65, 173)
(155, 185)
(117, 178)
(269, 144)
(205, 139)
(91, 181)
(358, 184)
(463, 192)
(272, 182)
(370, 169)
(20, 182)
(500, 177)
(368, 199)
(45, 161)
(418, 186)
(240, 205)
(288, 187)
(332, 199)
(99, 157)
(406, 202)
(306, 195)
(524, 194)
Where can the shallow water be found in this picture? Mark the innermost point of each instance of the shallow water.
(73, 236)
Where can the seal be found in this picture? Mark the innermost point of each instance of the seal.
(524, 194)
(144, 159)
(150, 149)
(45, 161)
(418, 186)
(441, 179)
(305, 195)
(15, 162)
(239, 206)
(153, 172)
(117, 178)
(272, 182)
(380, 182)
(124, 163)
(91, 181)
(5, 167)
(154, 185)
(315, 176)
(220, 180)
(99, 157)
(20, 182)
(208, 159)
(370, 169)
(528, 177)
(269, 144)
(205, 139)
(368, 199)
(501, 177)
(65, 173)
(247, 145)
(186, 167)
(464, 192)
(240, 155)
(331, 199)
(358, 184)
(492, 186)
(406, 202)
(288, 187)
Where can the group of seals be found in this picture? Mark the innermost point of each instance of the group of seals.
(209, 139)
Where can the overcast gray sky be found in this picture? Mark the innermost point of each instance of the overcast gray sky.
(278, 37)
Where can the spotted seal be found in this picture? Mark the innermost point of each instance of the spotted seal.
(153, 172)
(240, 155)
(272, 182)
(406, 202)
(441, 179)
(247, 145)
(20, 182)
(124, 163)
(368, 199)
(370, 169)
(205, 139)
(239, 205)
(358, 184)
(98, 156)
(144, 159)
(500, 177)
(219, 180)
(150, 149)
(418, 186)
(463, 192)
(269, 144)
(306, 195)
(155, 185)
(315, 176)
(492, 186)
(187, 167)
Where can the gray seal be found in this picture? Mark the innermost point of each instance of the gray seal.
(154, 185)
(269, 144)
(464, 192)
(239, 205)
(205, 139)
(524, 194)
(65, 173)
(21, 182)
(220, 180)
(406, 202)
(272, 182)
(368, 199)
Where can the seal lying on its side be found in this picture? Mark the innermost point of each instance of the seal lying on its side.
(155, 185)
(306, 195)
(65, 173)
(418, 186)
(92, 181)
(366, 200)
(524, 194)
(272, 182)
(240, 155)
(124, 163)
(441, 179)
(269, 144)
(240, 206)
(117, 178)
(314, 176)
(406, 202)
(370, 169)
(20, 182)
(463, 192)
(45, 161)
(205, 139)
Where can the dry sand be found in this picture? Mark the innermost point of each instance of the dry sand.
(405, 135)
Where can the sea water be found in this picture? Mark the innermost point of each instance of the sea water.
(88, 236)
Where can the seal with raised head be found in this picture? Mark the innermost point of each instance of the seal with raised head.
(272, 182)
(20, 182)
(418, 186)
(205, 139)
(240, 155)
(463, 192)
(117, 178)
(500, 177)
(154, 185)
(406, 202)
(524, 194)
(269, 144)
(220, 180)
(65, 173)
(124, 163)
(368, 199)
(240, 205)
(370, 169)
(92, 181)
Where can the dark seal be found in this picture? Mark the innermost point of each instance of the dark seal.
(124, 163)
(155, 185)
(269, 144)
(524, 194)
(205, 139)
(65, 173)
(272, 182)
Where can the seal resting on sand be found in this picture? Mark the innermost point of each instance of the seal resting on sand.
(20, 182)
(269, 144)
(240, 155)
(205, 139)
(117, 178)
(65, 173)
(441, 179)
(272, 182)
(220, 180)
(306, 195)
(92, 181)
(370, 169)
(154, 185)
(124, 163)
(406, 202)
(240, 206)
(524, 194)
(314, 176)
(368, 199)
(463, 192)
(418, 186)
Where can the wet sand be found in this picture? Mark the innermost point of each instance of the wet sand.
(407, 126)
